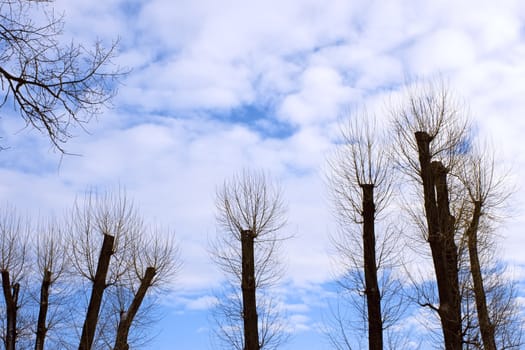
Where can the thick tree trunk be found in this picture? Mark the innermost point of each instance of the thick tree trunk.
(99, 285)
(121, 340)
(11, 306)
(485, 326)
(41, 328)
(249, 303)
(373, 298)
(451, 309)
(440, 225)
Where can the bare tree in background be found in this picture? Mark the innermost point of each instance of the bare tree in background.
(33, 261)
(360, 181)
(14, 233)
(482, 189)
(154, 260)
(50, 255)
(51, 85)
(486, 193)
(250, 212)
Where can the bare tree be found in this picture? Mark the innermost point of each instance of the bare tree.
(98, 222)
(360, 181)
(130, 263)
(33, 261)
(486, 194)
(482, 187)
(14, 231)
(153, 261)
(250, 212)
(51, 85)
(431, 133)
(50, 266)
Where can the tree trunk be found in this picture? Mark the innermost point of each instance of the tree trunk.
(373, 298)
(249, 303)
(11, 301)
(440, 225)
(99, 285)
(41, 328)
(121, 340)
(451, 309)
(485, 326)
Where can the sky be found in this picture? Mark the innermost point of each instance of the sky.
(218, 86)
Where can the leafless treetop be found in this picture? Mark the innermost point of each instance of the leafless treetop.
(362, 159)
(431, 109)
(249, 201)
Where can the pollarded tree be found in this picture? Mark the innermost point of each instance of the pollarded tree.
(122, 261)
(154, 260)
(483, 192)
(51, 85)
(431, 133)
(14, 233)
(360, 178)
(99, 224)
(48, 270)
(33, 261)
(486, 194)
(250, 212)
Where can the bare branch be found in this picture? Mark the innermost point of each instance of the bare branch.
(52, 86)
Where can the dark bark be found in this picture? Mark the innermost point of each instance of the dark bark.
(99, 285)
(41, 328)
(11, 306)
(249, 303)
(440, 225)
(450, 307)
(373, 298)
(485, 326)
(126, 318)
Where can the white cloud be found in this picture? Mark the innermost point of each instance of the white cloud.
(189, 82)
(202, 303)
(300, 323)
(442, 51)
(321, 96)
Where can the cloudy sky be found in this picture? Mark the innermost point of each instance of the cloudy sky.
(218, 86)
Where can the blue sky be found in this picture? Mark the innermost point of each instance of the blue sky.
(218, 86)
